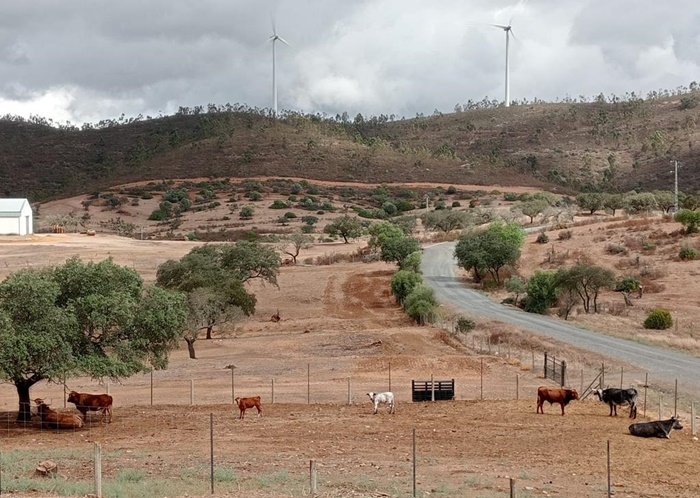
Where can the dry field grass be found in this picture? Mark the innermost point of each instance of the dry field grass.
(338, 322)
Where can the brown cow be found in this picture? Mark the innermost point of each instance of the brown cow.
(52, 418)
(85, 402)
(554, 395)
(245, 403)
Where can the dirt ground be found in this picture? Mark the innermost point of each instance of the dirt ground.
(339, 328)
(341, 335)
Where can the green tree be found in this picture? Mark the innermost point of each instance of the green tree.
(296, 242)
(689, 219)
(446, 220)
(587, 281)
(391, 241)
(403, 282)
(590, 202)
(420, 304)
(665, 199)
(346, 226)
(95, 319)
(613, 202)
(642, 202)
(517, 286)
(490, 249)
(533, 208)
(412, 262)
(246, 212)
(541, 292)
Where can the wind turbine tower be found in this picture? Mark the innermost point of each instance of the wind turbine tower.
(508, 31)
(274, 39)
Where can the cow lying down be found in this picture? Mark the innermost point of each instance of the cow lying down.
(659, 428)
(387, 397)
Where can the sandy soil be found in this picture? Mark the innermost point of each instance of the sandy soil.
(338, 323)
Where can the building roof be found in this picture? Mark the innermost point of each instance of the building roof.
(10, 208)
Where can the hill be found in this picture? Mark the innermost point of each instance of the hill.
(564, 147)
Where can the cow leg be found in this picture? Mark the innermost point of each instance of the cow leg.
(562, 409)
(259, 411)
(242, 414)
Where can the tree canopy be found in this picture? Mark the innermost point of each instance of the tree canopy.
(491, 249)
(348, 227)
(95, 319)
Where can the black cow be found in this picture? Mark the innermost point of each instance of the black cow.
(659, 428)
(613, 397)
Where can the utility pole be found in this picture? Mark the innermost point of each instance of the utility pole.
(676, 165)
(427, 202)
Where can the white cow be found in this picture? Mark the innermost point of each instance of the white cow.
(387, 397)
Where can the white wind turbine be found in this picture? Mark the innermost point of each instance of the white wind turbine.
(274, 39)
(509, 31)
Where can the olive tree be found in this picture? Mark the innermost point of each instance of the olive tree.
(95, 319)
(348, 227)
(491, 249)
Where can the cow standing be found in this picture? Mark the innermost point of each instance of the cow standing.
(659, 428)
(561, 395)
(245, 403)
(614, 396)
(387, 397)
(55, 420)
(85, 402)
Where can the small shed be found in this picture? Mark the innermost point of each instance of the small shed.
(16, 217)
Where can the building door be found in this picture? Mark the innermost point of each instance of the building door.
(26, 226)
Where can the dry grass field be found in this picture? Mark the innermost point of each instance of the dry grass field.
(339, 322)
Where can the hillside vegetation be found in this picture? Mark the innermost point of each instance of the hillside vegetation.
(564, 147)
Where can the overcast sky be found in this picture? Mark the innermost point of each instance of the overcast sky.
(86, 60)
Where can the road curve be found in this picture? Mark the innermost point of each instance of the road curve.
(664, 365)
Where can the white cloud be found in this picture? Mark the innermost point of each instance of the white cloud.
(80, 61)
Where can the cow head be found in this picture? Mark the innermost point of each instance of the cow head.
(236, 400)
(676, 423)
(574, 393)
(599, 393)
(73, 397)
(371, 396)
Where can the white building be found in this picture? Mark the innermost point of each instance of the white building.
(16, 217)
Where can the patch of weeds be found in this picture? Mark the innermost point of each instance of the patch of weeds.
(130, 475)
(225, 475)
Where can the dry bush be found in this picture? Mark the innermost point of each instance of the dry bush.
(618, 308)
(334, 257)
(649, 272)
(444, 237)
(616, 249)
(636, 223)
(600, 238)
(651, 287)
(565, 235)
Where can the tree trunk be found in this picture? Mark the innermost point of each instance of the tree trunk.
(210, 327)
(24, 414)
(626, 295)
(190, 347)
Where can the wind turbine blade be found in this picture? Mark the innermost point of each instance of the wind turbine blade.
(283, 41)
(500, 26)
(513, 35)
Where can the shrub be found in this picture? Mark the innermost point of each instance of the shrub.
(688, 253)
(616, 249)
(542, 238)
(456, 204)
(278, 204)
(510, 196)
(246, 213)
(420, 304)
(290, 215)
(541, 292)
(403, 282)
(465, 324)
(412, 262)
(254, 195)
(658, 319)
(158, 215)
(307, 229)
(565, 235)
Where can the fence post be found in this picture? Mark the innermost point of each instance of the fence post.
(389, 376)
(233, 386)
(211, 450)
(660, 403)
(107, 386)
(533, 361)
(693, 421)
(581, 381)
(432, 388)
(602, 376)
(151, 387)
(609, 487)
(313, 481)
(308, 383)
(646, 386)
(414, 463)
(482, 379)
(675, 400)
(545, 364)
(622, 374)
(563, 373)
(98, 470)
(512, 488)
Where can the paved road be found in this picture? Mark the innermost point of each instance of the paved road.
(663, 365)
